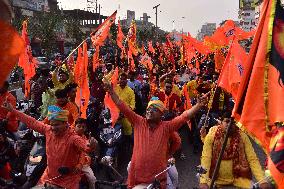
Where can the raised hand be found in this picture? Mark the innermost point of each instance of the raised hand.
(203, 100)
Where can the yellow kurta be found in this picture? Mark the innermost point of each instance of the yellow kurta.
(128, 97)
(191, 87)
(59, 85)
(225, 176)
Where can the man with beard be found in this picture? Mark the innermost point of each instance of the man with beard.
(151, 137)
(239, 161)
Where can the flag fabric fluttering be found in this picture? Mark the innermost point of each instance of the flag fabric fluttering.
(101, 33)
(81, 77)
(146, 61)
(120, 36)
(219, 60)
(233, 68)
(224, 34)
(114, 111)
(12, 45)
(131, 38)
(26, 60)
(260, 103)
(150, 47)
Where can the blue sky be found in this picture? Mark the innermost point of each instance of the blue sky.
(196, 12)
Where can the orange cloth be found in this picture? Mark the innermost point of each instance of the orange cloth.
(84, 158)
(12, 46)
(4, 114)
(73, 113)
(61, 151)
(174, 143)
(150, 146)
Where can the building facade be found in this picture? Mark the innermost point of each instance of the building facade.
(249, 12)
(206, 30)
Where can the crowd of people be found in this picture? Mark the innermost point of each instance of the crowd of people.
(155, 108)
(157, 102)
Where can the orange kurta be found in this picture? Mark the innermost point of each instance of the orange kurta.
(150, 146)
(61, 151)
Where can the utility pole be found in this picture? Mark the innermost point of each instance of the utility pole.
(156, 7)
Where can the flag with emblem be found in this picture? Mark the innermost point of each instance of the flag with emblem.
(100, 34)
(233, 68)
(260, 103)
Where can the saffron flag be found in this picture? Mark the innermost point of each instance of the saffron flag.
(219, 60)
(233, 68)
(114, 111)
(199, 46)
(131, 38)
(150, 47)
(98, 37)
(26, 60)
(260, 103)
(147, 62)
(12, 46)
(225, 33)
(83, 94)
(120, 36)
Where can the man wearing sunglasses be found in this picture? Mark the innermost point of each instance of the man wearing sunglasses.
(151, 137)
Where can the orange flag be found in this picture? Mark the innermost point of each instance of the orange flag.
(219, 60)
(187, 105)
(12, 46)
(114, 111)
(83, 94)
(150, 47)
(100, 34)
(131, 37)
(114, 78)
(147, 62)
(260, 103)
(233, 69)
(26, 61)
(120, 36)
(225, 33)
(198, 45)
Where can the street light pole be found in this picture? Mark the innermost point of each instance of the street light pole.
(182, 24)
(156, 7)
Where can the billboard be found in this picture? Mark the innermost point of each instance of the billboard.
(33, 5)
(248, 3)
